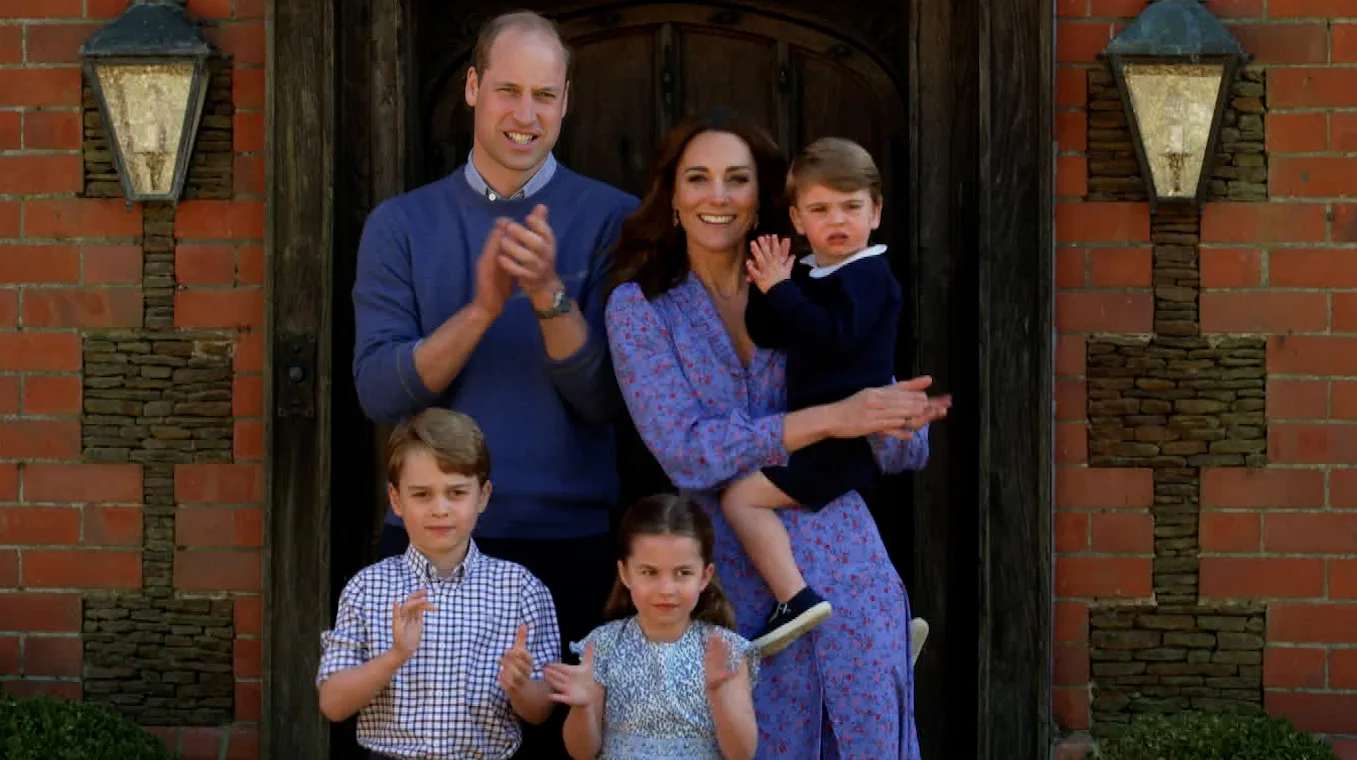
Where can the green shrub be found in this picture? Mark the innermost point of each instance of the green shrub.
(1200, 736)
(46, 728)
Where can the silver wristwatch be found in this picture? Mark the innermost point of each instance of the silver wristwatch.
(560, 304)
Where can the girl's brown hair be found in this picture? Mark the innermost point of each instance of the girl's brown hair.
(650, 249)
(669, 514)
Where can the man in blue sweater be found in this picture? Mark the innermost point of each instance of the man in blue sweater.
(484, 292)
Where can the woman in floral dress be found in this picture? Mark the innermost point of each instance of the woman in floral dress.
(711, 407)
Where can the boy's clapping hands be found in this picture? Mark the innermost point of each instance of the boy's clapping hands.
(530, 699)
(515, 667)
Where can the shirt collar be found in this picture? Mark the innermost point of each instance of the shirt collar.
(818, 271)
(425, 571)
(538, 180)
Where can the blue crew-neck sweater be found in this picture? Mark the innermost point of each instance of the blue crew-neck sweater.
(548, 423)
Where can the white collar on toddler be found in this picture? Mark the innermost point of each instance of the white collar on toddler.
(819, 271)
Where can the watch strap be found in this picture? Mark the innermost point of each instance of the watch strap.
(560, 304)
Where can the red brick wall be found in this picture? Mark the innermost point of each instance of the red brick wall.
(72, 266)
(1285, 268)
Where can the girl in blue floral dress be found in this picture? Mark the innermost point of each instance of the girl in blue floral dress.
(667, 678)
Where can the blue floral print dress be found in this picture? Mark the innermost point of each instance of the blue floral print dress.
(656, 704)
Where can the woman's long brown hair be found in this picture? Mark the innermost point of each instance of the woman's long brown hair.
(650, 249)
(669, 514)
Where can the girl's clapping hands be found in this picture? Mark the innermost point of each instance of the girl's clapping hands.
(573, 685)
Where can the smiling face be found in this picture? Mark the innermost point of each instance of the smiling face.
(665, 575)
(716, 193)
(519, 101)
(439, 508)
(837, 224)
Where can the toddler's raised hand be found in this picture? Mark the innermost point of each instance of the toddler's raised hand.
(771, 261)
(515, 666)
(573, 685)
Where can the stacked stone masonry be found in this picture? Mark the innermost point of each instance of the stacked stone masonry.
(1161, 658)
(160, 661)
(1174, 402)
(157, 266)
(1241, 163)
(212, 168)
(159, 399)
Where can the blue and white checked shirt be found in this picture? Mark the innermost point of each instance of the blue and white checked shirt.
(445, 702)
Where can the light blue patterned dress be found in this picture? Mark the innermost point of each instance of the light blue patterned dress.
(656, 705)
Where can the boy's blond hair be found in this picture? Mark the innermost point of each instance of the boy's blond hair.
(454, 439)
(836, 163)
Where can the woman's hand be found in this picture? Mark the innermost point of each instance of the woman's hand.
(892, 409)
(573, 685)
(936, 409)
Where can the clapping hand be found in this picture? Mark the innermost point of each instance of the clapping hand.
(771, 263)
(573, 684)
(407, 622)
(934, 408)
(716, 662)
(493, 285)
(528, 252)
(515, 667)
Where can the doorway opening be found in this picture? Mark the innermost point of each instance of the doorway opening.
(639, 70)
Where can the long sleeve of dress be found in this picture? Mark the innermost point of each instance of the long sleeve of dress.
(894, 455)
(697, 449)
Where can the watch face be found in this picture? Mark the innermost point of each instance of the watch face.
(560, 304)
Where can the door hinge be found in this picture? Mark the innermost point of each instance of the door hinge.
(296, 376)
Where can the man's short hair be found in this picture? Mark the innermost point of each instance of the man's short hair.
(524, 21)
(454, 439)
(837, 163)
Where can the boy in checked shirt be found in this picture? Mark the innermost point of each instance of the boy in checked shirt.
(439, 650)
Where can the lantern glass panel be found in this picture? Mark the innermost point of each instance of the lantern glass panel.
(146, 105)
(1175, 107)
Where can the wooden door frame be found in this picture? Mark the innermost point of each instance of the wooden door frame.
(981, 114)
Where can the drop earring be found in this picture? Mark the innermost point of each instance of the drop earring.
(676, 221)
(756, 220)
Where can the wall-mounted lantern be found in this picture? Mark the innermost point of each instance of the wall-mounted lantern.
(1174, 67)
(149, 72)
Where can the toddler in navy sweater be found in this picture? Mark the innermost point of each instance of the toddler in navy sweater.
(834, 315)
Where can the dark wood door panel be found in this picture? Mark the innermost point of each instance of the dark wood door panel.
(722, 68)
(613, 122)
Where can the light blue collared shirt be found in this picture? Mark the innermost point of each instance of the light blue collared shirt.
(537, 182)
